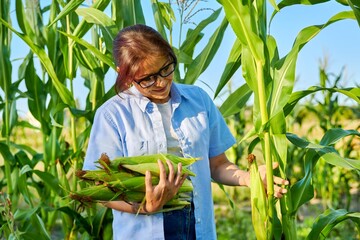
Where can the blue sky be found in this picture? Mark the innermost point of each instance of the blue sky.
(339, 42)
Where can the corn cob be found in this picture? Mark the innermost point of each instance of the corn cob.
(133, 184)
(138, 184)
(103, 176)
(123, 179)
(95, 193)
(258, 200)
(153, 168)
(115, 163)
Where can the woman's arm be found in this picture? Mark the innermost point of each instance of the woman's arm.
(225, 172)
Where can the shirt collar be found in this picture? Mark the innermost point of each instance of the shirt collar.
(144, 102)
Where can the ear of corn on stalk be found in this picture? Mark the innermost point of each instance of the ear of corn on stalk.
(258, 200)
(123, 179)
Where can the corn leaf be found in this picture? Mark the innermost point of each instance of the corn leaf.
(160, 22)
(202, 61)
(353, 93)
(355, 5)
(64, 93)
(327, 153)
(333, 135)
(235, 101)
(288, 3)
(70, 7)
(303, 190)
(5, 152)
(99, 220)
(108, 26)
(240, 18)
(97, 53)
(194, 35)
(83, 27)
(131, 12)
(80, 220)
(36, 90)
(284, 75)
(40, 228)
(328, 220)
(232, 65)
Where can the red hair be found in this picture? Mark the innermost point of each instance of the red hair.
(133, 47)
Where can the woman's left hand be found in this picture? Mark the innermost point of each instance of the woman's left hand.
(279, 183)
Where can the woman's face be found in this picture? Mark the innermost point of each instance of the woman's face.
(154, 79)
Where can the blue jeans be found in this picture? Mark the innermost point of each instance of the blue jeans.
(180, 224)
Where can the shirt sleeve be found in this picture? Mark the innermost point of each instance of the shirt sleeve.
(221, 138)
(104, 138)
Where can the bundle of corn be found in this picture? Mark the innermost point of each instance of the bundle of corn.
(123, 178)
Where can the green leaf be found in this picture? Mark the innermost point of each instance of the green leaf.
(108, 26)
(236, 101)
(64, 93)
(194, 35)
(159, 18)
(355, 5)
(7, 155)
(24, 214)
(23, 186)
(284, 69)
(241, 20)
(303, 191)
(36, 90)
(70, 7)
(232, 65)
(40, 228)
(83, 27)
(327, 153)
(131, 12)
(49, 180)
(333, 135)
(99, 220)
(202, 61)
(328, 220)
(97, 53)
(353, 93)
(288, 3)
(80, 220)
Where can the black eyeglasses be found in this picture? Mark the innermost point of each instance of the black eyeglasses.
(150, 80)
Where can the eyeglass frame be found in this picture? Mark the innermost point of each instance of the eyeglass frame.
(157, 74)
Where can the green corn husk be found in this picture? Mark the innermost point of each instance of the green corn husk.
(258, 200)
(115, 163)
(95, 193)
(153, 168)
(124, 179)
(133, 184)
(102, 176)
(138, 184)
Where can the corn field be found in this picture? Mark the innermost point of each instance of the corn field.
(67, 40)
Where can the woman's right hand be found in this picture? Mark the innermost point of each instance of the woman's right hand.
(157, 196)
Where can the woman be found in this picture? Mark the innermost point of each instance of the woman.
(151, 114)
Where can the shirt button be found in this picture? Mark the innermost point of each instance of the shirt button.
(198, 220)
(161, 145)
(195, 193)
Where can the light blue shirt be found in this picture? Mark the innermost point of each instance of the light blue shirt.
(131, 125)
